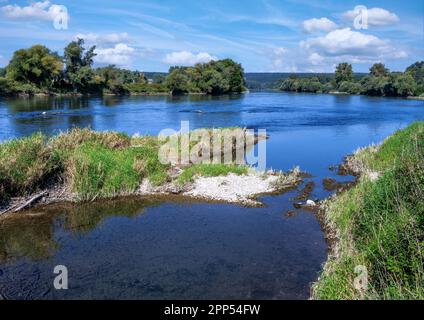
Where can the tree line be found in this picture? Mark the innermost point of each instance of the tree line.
(38, 70)
(379, 82)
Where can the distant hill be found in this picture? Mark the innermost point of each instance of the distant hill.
(264, 81)
(268, 80)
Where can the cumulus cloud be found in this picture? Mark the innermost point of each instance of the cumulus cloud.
(277, 58)
(121, 55)
(345, 42)
(376, 16)
(316, 59)
(186, 58)
(43, 10)
(322, 24)
(104, 38)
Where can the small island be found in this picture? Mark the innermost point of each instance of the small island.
(38, 71)
(84, 165)
(379, 82)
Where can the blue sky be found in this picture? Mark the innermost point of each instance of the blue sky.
(264, 35)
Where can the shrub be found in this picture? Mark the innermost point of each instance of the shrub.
(25, 164)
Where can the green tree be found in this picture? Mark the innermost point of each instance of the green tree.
(78, 62)
(417, 71)
(403, 85)
(177, 81)
(36, 65)
(344, 72)
(379, 70)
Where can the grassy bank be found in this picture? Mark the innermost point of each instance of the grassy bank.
(89, 164)
(379, 223)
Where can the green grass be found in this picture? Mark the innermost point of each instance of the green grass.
(25, 164)
(210, 170)
(380, 225)
(92, 164)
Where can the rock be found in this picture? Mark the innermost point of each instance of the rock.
(298, 205)
(311, 203)
(290, 213)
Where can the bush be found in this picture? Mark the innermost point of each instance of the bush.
(25, 164)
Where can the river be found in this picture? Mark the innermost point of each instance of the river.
(177, 249)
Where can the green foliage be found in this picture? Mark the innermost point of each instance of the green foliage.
(178, 81)
(350, 87)
(98, 171)
(417, 71)
(146, 88)
(379, 70)
(36, 65)
(344, 72)
(38, 70)
(380, 82)
(92, 164)
(303, 85)
(78, 60)
(210, 170)
(25, 164)
(215, 77)
(7, 87)
(381, 225)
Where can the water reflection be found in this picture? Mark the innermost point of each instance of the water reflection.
(31, 235)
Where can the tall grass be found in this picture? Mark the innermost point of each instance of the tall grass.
(25, 164)
(380, 224)
(92, 164)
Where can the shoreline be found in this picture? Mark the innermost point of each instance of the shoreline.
(373, 229)
(229, 189)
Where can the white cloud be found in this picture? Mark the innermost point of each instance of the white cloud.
(346, 42)
(315, 59)
(352, 46)
(277, 58)
(376, 16)
(121, 55)
(104, 38)
(280, 51)
(322, 24)
(43, 10)
(187, 58)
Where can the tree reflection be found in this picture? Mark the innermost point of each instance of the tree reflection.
(31, 234)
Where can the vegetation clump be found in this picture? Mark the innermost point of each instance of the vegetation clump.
(38, 70)
(379, 82)
(379, 224)
(91, 164)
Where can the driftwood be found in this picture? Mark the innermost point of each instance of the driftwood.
(21, 206)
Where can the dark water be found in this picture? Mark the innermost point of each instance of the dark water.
(171, 248)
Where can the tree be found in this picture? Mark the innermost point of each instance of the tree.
(78, 62)
(379, 70)
(214, 77)
(403, 84)
(177, 81)
(344, 72)
(36, 65)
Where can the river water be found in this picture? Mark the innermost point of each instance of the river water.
(170, 248)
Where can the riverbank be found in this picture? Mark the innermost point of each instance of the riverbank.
(376, 229)
(83, 165)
